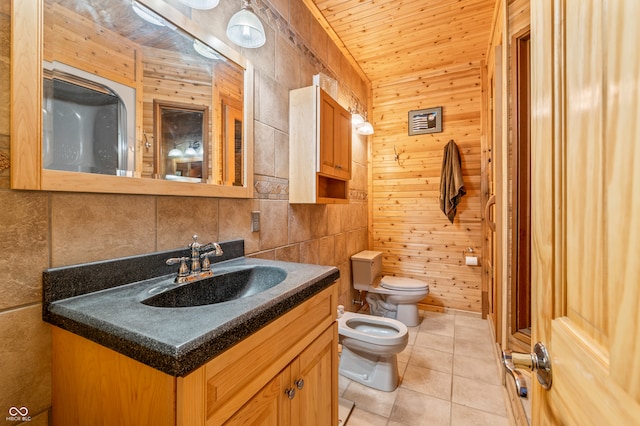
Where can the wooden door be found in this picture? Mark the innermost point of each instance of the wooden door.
(315, 402)
(586, 209)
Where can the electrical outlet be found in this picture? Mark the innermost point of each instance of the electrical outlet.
(255, 221)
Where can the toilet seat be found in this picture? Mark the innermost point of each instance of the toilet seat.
(403, 284)
(376, 330)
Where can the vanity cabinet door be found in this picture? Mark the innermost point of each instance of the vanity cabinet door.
(301, 394)
(317, 367)
(266, 408)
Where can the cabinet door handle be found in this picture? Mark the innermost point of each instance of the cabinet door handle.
(291, 393)
(299, 383)
(338, 166)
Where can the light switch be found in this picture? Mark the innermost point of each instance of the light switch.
(255, 221)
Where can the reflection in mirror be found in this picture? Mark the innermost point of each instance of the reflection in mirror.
(181, 139)
(86, 128)
(233, 158)
(115, 72)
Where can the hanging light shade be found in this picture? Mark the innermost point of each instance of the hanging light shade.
(147, 14)
(200, 4)
(245, 28)
(205, 50)
(365, 129)
(190, 152)
(357, 120)
(175, 152)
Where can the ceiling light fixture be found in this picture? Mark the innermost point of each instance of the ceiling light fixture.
(200, 4)
(245, 28)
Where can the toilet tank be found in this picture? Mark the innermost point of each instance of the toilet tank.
(366, 267)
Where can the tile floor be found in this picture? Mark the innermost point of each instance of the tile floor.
(449, 376)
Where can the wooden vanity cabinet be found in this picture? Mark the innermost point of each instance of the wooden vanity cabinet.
(319, 147)
(244, 385)
(299, 395)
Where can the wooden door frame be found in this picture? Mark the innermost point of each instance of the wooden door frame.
(517, 157)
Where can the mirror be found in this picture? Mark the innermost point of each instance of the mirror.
(181, 135)
(136, 98)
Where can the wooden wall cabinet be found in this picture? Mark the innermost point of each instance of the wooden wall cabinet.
(244, 385)
(319, 147)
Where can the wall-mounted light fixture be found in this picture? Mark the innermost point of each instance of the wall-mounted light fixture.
(194, 149)
(360, 123)
(365, 129)
(245, 28)
(357, 120)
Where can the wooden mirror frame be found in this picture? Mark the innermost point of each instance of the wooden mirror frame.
(27, 172)
(159, 108)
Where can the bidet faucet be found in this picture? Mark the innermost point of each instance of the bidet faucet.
(197, 270)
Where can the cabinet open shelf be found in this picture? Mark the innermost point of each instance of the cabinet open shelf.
(331, 190)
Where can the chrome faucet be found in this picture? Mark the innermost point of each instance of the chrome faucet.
(198, 269)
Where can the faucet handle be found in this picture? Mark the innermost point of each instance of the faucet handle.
(206, 264)
(217, 250)
(183, 271)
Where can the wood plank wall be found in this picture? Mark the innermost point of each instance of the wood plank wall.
(415, 236)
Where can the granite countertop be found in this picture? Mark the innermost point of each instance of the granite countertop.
(179, 340)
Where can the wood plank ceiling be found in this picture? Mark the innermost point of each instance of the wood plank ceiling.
(390, 39)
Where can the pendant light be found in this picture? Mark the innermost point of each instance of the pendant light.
(245, 28)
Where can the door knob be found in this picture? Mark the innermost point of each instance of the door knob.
(537, 361)
(290, 392)
(299, 383)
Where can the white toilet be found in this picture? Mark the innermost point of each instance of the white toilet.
(388, 296)
(370, 346)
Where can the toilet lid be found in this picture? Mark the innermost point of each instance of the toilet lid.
(402, 283)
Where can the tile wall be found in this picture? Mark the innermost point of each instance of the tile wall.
(40, 230)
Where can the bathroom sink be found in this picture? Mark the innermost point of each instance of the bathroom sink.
(222, 287)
